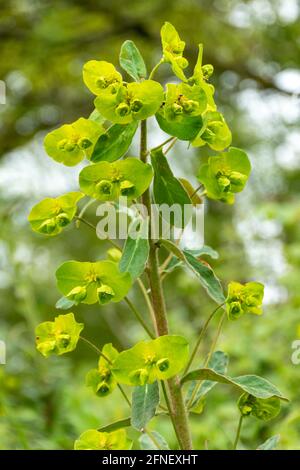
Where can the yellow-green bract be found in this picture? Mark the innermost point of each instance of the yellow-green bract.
(92, 282)
(71, 143)
(244, 298)
(96, 440)
(132, 101)
(264, 409)
(225, 174)
(173, 48)
(51, 215)
(214, 132)
(147, 361)
(59, 336)
(108, 181)
(101, 77)
(101, 380)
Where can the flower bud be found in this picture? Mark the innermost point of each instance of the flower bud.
(177, 108)
(246, 410)
(101, 83)
(103, 389)
(105, 294)
(127, 188)
(136, 105)
(84, 143)
(61, 144)
(48, 226)
(163, 364)
(63, 341)
(235, 310)
(104, 187)
(122, 110)
(139, 376)
(182, 62)
(224, 183)
(62, 219)
(190, 106)
(207, 71)
(78, 294)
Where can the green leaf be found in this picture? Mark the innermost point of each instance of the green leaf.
(51, 215)
(153, 441)
(136, 250)
(172, 248)
(132, 61)
(108, 181)
(219, 363)
(59, 336)
(95, 440)
(270, 444)
(121, 423)
(252, 384)
(71, 143)
(204, 250)
(64, 304)
(148, 361)
(92, 282)
(206, 277)
(169, 191)
(114, 143)
(145, 400)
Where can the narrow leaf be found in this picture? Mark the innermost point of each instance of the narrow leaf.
(169, 191)
(252, 384)
(145, 400)
(121, 423)
(132, 61)
(172, 248)
(153, 441)
(204, 250)
(136, 251)
(114, 143)
(270, 444)
(206, 277)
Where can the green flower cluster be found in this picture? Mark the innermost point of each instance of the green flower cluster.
(244, 298)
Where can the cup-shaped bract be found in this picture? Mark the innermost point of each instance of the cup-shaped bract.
(71, 143)
(51, 215)
(173, 48)
(108, 181)
(132, 102)
(148, 361)
(96, 440)
(101, 380)
(244, 298)
(59, 336)
(263, 409)
(93, 276)
(225, 174)
(101, 77)
(214, 132)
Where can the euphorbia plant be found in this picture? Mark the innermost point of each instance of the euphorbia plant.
(156, 370)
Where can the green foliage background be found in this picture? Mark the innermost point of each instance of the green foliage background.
(44, 404)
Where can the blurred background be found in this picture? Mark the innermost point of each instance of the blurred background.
(255, 48)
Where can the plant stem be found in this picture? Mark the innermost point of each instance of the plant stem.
(89, 224)
(139, 317)
(171, 145)
(238, 432)
(153, 71)
(201, 335)
(148, 301)
(177, 406)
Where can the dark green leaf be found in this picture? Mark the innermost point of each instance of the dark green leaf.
(132, 61)
(114, 143)
(145, 400)
(153, 441)
(252, 384)
(270, 444)
(206, 277)
(168, 190)
(136, 251)
(172, 248)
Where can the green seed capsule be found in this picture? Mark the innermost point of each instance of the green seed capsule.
(70, 146)
(48, 226)
(127, 188)
(84, 143)
(78, 294)
(182, 62)
(61, 144)
(224, 183)
(207, 71)
(63, 341)
(105, 294)
(62, 219)
(122, 110)
(101, 83)
(163, 364)
(103, 389)
(139, 376)
(190, 106)
(46, 347)
(104, 187)
(177, 108)
(136, 106)
(235, 310)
